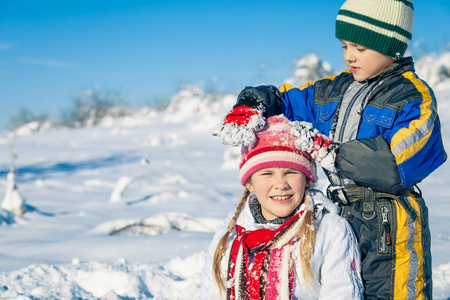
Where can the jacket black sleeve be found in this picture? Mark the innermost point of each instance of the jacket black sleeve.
(369, 162)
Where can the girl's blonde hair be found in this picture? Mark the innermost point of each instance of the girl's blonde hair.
(307, 242)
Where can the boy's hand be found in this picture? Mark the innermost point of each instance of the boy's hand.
(265, 98)
(318, 145)
(239, 126)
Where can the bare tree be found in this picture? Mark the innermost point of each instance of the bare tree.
(25, 116)
(92, 105)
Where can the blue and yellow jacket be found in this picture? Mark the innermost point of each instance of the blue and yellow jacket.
(399, 139)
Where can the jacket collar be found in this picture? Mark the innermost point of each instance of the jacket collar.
(404, 65)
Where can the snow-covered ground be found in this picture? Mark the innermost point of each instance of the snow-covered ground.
(127, 209)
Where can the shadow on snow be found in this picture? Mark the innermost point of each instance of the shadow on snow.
(41, 170)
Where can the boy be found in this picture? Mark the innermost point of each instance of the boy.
(383, 121)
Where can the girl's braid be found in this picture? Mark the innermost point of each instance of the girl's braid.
(223, 243)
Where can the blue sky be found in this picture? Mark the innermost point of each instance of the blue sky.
(50, 50)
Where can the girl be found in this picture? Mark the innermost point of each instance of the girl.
(285, 240)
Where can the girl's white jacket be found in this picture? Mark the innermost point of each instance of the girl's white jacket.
(336, 261)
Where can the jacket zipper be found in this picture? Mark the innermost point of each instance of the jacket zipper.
(386, 237)
(348, 111)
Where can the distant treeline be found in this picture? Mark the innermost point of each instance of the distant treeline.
(88, 108)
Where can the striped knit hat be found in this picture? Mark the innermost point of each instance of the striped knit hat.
(381, 25)
(275, 147)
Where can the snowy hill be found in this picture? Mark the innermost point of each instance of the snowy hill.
(126, 209)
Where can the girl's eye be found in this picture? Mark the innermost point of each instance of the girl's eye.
(292, 172)
(361, 49)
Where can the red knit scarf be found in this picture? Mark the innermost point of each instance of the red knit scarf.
(261, 264)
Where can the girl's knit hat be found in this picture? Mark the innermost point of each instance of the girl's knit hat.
(275, 147)
(381, 25)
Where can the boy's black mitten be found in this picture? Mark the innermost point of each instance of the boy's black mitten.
(247, 115)
(266, 98)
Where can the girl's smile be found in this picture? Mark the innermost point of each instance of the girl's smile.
(281, 199)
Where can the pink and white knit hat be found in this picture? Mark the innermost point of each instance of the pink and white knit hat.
(275, 147)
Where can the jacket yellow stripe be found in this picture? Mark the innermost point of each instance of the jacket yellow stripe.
(409, 140)
(402, 255)
(419, 278)
(409, 260)
(286, 87)
(413, 149)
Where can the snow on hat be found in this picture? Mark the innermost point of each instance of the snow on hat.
(275, 147)
(382, 25)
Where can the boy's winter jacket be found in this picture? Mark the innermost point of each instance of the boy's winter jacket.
(397, 125)
(335, 263)
(390, 138)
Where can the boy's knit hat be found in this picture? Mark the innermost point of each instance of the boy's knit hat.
(381, 25)
(275, 147)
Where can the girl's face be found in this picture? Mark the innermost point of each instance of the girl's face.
(278, 190)
(364, 62)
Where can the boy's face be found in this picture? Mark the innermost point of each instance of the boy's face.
(364, 62)
(278, 190)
